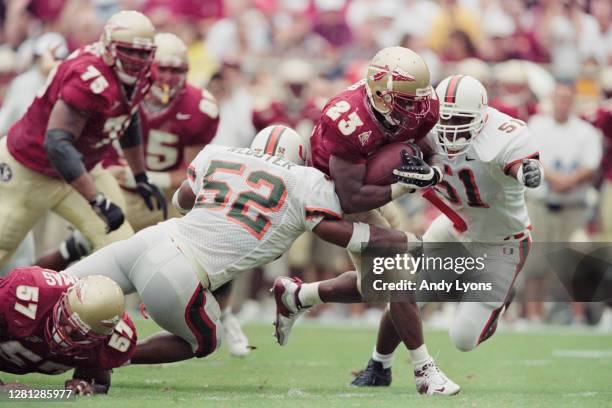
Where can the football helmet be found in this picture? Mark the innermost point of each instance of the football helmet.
(85, 315)
(398, 87)
(282, 141)
(169, 67)
(463, 112)
(513, 82)
(128, 41)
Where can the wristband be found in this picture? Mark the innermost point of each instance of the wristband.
(161, 179)
(361, 235)
(177, 205)
(399, 189)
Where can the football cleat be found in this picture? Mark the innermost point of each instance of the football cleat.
(75, 247)
(430, 380)
(233, 336)
(288, 306)
(374, 375)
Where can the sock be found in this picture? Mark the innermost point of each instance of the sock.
(309, 294)
(385, 359)
(419, 356)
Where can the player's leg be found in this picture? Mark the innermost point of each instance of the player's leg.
(401, 323)
(76, 210)
(475, 322)
(25, 196)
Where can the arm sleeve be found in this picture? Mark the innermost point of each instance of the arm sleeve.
(320, 200)
(522, 146)
(133, 134)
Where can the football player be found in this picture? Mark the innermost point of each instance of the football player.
(177, 119)
(51, 322)
(244, 207)
(395, 103)
(490, 159)
(49, 158)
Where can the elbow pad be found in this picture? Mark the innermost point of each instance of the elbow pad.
(63, 155)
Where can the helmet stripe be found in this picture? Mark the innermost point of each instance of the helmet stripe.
(272, 142)
(451, 91)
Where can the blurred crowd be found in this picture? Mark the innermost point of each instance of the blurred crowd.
(269, 61)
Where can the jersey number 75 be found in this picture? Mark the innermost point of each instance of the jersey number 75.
(215, 195)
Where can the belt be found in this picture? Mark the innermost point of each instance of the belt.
(520, 235)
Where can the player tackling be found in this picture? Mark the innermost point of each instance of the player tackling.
(243, 208)
(489, 160)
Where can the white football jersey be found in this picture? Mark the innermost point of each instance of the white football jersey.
(249, 209)
(477, 185)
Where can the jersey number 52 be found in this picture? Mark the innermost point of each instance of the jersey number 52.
(266, 195)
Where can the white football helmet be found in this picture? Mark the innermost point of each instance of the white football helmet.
(282, 141)
(463, 108)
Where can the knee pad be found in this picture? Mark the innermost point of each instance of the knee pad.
(464, 335)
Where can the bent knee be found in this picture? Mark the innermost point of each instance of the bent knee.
(463, 338)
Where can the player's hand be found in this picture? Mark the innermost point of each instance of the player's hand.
(80, 387)
(109, 212)
(532, 173)
(149, 192)
(416, 173)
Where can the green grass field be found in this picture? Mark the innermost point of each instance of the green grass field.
(511, 370)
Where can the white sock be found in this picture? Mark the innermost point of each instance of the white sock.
(385, 359)
(419, 356)
(309, 294)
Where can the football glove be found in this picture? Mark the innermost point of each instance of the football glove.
(109, 212)
(149, 192)
(416, 173)
(530, 173)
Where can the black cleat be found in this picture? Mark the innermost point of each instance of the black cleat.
(373, 376)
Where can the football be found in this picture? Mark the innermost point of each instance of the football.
(381, 163)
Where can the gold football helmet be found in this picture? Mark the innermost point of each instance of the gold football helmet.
(128, 43)
(85, 315)
(170, 67)
(398, 85)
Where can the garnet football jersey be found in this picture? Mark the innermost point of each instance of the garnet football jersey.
(249, 209)
(190, 119)
(86, 83)
(27, 298)
(349, 130)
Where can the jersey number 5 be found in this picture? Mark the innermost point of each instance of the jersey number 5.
(215, 195)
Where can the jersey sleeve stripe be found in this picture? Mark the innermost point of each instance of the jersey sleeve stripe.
(191, 173)
(508, 166)
(325, 213)
(273, 140)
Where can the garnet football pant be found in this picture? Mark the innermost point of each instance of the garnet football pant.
(139, 216)
(474, 320)
(150, 263)
(25, 196)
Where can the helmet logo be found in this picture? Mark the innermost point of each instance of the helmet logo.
(399, 74)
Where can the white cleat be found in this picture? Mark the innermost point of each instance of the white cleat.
(430, 380)
(288, 307)
(233, 336)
